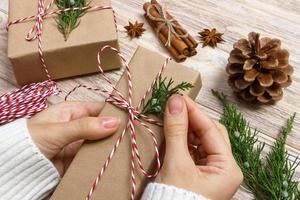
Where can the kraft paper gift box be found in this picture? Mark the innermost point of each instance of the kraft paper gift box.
(76, 56)
(116, 184)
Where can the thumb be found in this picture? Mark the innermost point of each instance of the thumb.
(176, 127)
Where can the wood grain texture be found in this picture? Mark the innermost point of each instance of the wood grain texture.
(236, 18)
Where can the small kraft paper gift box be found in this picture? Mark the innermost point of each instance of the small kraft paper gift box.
(75, 56)
(116, 181)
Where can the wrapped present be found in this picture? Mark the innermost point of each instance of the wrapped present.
(73, 57)
(128, 157)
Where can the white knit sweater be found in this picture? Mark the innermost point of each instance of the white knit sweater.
(26, 174)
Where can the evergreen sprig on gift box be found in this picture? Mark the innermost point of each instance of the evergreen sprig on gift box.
(69, 20)
(162, 90)
(267, 178)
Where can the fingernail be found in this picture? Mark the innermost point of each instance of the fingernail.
(175, 105)
(109, 122)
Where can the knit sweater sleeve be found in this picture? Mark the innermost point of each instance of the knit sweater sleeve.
(25, 173)
(158, 191)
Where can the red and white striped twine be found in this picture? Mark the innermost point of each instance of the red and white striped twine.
(31, 99)
(117, 99)
(27, 101)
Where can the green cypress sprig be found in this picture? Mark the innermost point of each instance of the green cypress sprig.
(68, 21)
(267, 178)
(162, 90)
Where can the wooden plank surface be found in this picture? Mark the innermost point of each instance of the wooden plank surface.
(236, 18)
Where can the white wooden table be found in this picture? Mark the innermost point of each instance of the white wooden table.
(236, 18)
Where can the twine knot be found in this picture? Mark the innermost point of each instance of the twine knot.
(36, 31)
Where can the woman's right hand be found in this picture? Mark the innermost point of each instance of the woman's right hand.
(198, 154)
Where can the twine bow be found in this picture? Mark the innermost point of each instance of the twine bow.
(134, 115)
(169, 23)
(31, 99)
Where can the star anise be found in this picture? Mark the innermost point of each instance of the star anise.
(211, 37)
(135, 30)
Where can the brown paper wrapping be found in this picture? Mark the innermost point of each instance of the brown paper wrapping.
(115, 184)
(76, 56)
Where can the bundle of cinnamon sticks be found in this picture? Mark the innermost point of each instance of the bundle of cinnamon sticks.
(177, 41)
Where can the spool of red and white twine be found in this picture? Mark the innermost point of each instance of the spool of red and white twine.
(134, 115)
(32, 98)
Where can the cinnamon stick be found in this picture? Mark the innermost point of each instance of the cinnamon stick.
(183, 45)
(175, 54)
(176, 42)
(190, 41)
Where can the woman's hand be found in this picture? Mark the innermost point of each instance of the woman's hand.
(60, 130)
(198, 153)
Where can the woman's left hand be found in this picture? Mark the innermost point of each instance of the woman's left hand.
(60, 130)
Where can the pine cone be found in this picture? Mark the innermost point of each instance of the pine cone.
(259, 69)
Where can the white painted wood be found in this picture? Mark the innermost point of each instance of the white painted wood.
(236, 18)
